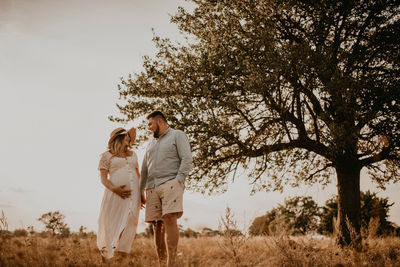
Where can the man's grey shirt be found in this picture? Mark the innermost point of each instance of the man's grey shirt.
(166, 158)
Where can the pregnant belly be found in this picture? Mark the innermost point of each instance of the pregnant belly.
(121, 177)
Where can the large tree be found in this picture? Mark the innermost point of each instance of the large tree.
(290, 91)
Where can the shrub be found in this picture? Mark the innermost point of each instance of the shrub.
(20, 232)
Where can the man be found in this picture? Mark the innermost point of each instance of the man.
(166, 164)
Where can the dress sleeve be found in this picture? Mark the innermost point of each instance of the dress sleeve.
(104, 162)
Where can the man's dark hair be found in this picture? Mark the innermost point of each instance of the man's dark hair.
(155, 114)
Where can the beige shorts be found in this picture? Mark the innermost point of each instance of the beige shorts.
(164, 199)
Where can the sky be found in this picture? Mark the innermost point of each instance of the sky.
(60, 64)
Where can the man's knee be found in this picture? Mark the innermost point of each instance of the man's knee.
(170, 217)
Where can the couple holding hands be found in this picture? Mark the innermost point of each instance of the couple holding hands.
(166, 164)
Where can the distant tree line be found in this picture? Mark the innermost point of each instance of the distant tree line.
(188, 232)
(302, 215)
(54, 224)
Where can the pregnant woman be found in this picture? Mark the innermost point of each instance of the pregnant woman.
(120, 206)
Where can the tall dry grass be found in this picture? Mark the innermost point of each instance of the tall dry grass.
(279, 250)
(27, 248)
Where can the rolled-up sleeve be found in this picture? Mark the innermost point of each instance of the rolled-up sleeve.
(185, 155)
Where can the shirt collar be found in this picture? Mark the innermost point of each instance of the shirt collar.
(165, 133)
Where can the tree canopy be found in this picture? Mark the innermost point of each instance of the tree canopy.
(290, 91)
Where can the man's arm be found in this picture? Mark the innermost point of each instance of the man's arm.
(143, 176)
(185, 155)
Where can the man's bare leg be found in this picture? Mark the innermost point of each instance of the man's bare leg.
(159, 241)
(172, 236)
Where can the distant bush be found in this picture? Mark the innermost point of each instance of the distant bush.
(82, 231)
(65, 231)
(374, 215)
(45, 234)
(189, 233)
(91, 234)
(298, 215)
(54, 222)
(20, 232)
(5, 233)
(210, 232)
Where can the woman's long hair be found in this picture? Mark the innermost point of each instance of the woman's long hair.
(116, 146)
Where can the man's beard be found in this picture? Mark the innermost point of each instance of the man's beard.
(156, 133)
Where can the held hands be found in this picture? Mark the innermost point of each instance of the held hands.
(120, 191)
(142, 201)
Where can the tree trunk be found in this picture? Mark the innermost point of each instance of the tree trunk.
(348, 221)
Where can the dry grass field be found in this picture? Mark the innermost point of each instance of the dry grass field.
(203, 251)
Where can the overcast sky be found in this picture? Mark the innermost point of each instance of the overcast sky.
(60, 63)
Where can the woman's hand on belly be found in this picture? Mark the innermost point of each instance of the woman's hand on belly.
(122, 192)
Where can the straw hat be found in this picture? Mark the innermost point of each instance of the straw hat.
(132, 135)
(115, 133)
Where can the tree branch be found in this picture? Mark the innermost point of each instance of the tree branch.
(246, 119)
(308, 144)
(384, 154)
(285, 115)
(315, 123)
(318, 171)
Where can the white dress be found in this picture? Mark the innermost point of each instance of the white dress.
(118, 215)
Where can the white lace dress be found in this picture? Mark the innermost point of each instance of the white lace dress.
(118, 215)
